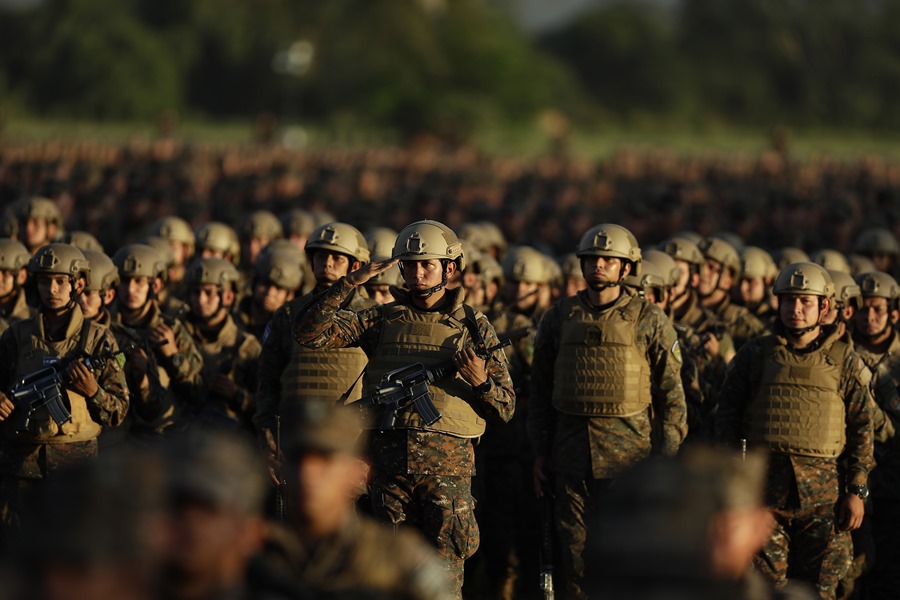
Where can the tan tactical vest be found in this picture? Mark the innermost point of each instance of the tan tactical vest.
(798, 408)
(600, 371)
(321, 375)
(42, 429)
(410, 336)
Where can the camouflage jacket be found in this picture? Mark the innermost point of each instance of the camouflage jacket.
(885, 408)
(796, 481)
(742, 324)
(402, 451)
(18, 310)
(602, 447)
(228, 351)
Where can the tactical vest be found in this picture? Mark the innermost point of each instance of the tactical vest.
(600, 371)
(411, 336)
(798, 408)
(33, 352)
(320, 375)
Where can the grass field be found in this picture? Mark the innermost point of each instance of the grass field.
(526, 140)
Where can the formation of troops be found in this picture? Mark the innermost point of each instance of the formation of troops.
(286, 406)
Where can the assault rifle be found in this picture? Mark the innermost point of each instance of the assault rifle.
(409, 385)
(46, 387)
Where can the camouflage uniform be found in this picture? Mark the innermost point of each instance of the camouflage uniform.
(587, 452)
(25, 461)
(803, 491)
(741, 323)
(420, 477)
(884, 580)
(18, 310)
(227, 350)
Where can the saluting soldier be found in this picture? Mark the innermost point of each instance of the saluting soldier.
(421, 472)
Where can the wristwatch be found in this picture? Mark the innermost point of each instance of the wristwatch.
(483, 389)
(859, 490)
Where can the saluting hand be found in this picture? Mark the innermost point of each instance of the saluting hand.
(370, 270)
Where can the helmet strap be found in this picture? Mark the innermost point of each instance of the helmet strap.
(423, 294)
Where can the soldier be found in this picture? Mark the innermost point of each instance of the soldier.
(330, 550)
(573, 280)
(276, 279)
(179, 362)
(230, 356)
(40, 222)
(291, 375)
(13, 274)
(878, 344)
(831, 260)
(171, 305)
(880, 246)
(803, 394)
(217, 240)
(721, 270)
(177, 232)
(758, 272)
(381, 244)
(421, 471)
(260, 228)
(298, 225)
(606, 365)
(32, 450)
(82, 240)
(847, 300)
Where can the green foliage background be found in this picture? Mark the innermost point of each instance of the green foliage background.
(458, 69)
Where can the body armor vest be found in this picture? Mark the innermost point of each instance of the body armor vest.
(35, 354)
(410, 336)
(798, 408)
(320, 375)
(600, 371)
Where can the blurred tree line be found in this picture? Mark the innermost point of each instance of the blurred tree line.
(456, 65)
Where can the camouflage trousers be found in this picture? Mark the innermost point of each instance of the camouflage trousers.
(884, 579)
(575, 501)
(861, 563)
(806, 545)
(441, 507)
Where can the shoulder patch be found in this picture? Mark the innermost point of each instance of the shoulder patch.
(676, 352)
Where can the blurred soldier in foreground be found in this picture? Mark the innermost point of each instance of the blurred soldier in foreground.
(37, 445)
(330, 550)
(685, 528)
(606, 365)
(803, 394)
(13, 274)
(422, 468)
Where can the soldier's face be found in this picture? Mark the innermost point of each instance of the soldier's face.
(328, 267)
(709, 277)
(182, 253)
(574, 285)
(36, 232)
(325, 485)
(380, 294)
(269, 296)
(753, 291)
(874, 317)
(134, 291)
(799, 311)
(90, 302)
(423, 274)
(521, 295)
(7, 282)
(55, 291)
(206, 300)
(603, 269)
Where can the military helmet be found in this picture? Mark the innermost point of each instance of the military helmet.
(723, 253)
(13, 255)
(756, 262)
(476, 235)
(876, 240)
(662, 266)
(380, 241)
(297, 222)
(218, 237)
(876, 284)
(39, 208)
(174, 229)
(692, 236)
(494, 235)
(524, 263)
(322, 217)
(571, 266)
(610, 240)
(60, 259)
(139, 260)
(804, 278)
(280, 267)
(341, 238)
(427, 240)
(860, 264)
(554, 271)
(472, 254)
(163, 246)
(682, 248)
(9, 225)
(846, 290)
(789, 255)
(831, 260)
(104, 274)
(733, 239)
(262, 224)
(212, 271)
(489, 270)
(82, 240)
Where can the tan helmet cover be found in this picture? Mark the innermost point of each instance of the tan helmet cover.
(804, 278)
(341, 238)
(13, 255)
(427, 240)
(213, 271)
(846, 289)
(876, 284)
(104, 274)
(60, 259)
(139, 260)
(723, 253)
(174, 229)
(831, 260)
(681, 248)
(524, 263)
(756, 262)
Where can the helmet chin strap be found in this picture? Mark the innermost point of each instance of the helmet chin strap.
(877, 334)
(715, 287)
(427, 293)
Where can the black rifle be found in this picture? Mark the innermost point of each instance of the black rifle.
(46, 387)
(409, 385)
(282, 484)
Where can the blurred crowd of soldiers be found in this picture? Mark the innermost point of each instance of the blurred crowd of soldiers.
(210, 315)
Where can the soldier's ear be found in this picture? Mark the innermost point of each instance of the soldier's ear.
(80, 284)
(158, 284)
(626, 267)
(826, 308)
(22, 276)
(108, 296)
(895, 316)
